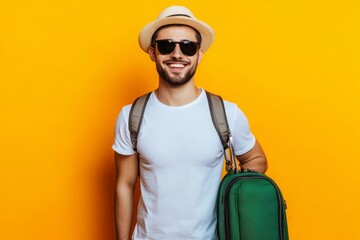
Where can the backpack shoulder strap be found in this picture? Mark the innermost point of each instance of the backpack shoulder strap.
(135, 117)
(218, 116)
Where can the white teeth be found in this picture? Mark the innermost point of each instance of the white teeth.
(176, 65)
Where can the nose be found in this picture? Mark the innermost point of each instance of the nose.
(177, 53)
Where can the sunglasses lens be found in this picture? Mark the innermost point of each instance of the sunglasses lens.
(165, 46)
(188, 48)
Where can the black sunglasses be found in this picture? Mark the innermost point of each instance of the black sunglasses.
(167, 46)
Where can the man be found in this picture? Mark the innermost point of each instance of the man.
(180, 153)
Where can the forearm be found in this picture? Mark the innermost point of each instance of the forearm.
(123, 212)
(126, 176)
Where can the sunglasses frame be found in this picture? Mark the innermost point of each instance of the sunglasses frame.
(182, 45)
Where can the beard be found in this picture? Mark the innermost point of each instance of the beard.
(176, 80)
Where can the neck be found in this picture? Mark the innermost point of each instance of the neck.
(177, 96)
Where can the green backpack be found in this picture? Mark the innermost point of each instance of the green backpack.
(250, 205)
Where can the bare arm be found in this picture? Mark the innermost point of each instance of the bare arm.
(126, 176)
(255, 159)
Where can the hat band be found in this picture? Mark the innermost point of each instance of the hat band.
(179, 15)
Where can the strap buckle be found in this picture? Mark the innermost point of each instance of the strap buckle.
(230, 157)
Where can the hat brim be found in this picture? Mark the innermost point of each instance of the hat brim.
(206, 32)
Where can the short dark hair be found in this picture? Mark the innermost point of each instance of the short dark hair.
(154, 36)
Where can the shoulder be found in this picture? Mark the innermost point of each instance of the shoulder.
(232, 108)
(234, 112)
(125, 110)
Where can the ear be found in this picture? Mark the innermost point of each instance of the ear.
(200, 56)
(152, 54)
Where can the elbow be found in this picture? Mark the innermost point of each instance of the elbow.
(125, 187)
(264, 166)
(258, 164)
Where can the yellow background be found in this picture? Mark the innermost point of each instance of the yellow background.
(67, 68)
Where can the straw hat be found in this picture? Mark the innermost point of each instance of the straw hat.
(176, 15)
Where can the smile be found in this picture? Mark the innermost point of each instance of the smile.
(176, 65)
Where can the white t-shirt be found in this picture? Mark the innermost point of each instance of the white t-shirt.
(181, 161)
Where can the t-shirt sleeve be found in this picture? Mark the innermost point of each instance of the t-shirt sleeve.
(243, 138)
(122, 142)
